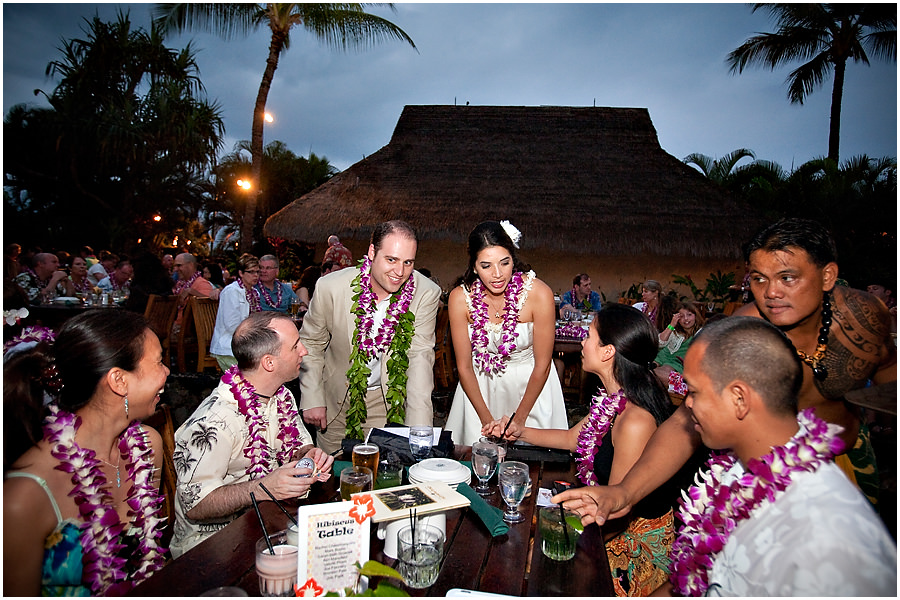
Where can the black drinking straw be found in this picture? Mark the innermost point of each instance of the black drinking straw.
(261, 524)
(278, 504)
(508, 424)
(562, 515)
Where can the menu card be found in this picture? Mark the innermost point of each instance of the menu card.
(396, 502)
(331, 537)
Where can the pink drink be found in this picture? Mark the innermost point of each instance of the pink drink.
(277, 573)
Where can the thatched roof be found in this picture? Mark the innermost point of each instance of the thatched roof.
(586, 180)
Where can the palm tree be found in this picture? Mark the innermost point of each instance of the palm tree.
(339, 25)
(826, 36)
(718, 170)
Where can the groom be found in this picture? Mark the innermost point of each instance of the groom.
(373, 365)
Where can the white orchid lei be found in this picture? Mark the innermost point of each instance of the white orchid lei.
(710, 510)
(258, 450)
(32, 333)
(252, 296)
(604, 410)
(394, 336)
(267, 298)
(105, 570)
(487, 362)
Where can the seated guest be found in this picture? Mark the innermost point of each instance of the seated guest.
(87, 253)
(104, 268)
(247, 433)
(78, 277)
(273, 294)
(774, 516)
(236, 302)
(307, 285)
(81, 501)
(120, 279)
(651, 295)
(620, 345)
(212, 272)
(168, 263)
(45, 278)
(190, 283)
(150, 277)
(580, 297)
(676, 338)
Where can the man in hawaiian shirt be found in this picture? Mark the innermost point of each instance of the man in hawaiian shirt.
(46, 278)
(215, 477)
(337, 253)
(120, 279)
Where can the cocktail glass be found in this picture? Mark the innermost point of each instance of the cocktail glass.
(277, 572)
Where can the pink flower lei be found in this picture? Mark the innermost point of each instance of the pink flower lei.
(604, 410)
(711, 510)
(487, 362)
(258, 450)
(32, 333)
(252, 296)
(105, 571)
(394, 336)
(266, 297)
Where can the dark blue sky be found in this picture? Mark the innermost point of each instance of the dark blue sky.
(668, 58)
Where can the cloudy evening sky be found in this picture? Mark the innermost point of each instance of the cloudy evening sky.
(668, 58)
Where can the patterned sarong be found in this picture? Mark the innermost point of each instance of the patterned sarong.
(858, 464)
(639, 556)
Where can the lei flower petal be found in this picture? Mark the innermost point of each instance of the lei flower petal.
(604, 410)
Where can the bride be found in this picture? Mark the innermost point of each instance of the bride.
(502, 321)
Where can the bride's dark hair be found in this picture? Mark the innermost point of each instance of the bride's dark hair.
(487, 235)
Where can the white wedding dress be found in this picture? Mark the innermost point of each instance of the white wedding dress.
(503, 392)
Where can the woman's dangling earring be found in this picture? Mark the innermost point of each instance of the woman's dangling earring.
(126, 407)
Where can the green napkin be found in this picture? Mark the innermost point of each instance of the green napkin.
(340, 465)
(491, 516)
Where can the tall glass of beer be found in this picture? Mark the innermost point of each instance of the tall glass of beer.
(366, 455)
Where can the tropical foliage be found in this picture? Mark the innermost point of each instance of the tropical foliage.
(721, 170)
(340, 26)
(129, 137)
(826, 36)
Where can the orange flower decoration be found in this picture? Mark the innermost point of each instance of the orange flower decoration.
(310, 589)
(363, 508)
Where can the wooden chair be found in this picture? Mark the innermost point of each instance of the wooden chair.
(204, 313)
(162, 422)
(197, 324)
(160, 313)
(445, 374)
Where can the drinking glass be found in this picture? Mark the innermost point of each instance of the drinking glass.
(420, 554)
(485, 457)
(514, 482)
(421, 438)
(355, 480)
(558, 535)
(390, 474)
(295, 307)
(277, 572)
(366, 455)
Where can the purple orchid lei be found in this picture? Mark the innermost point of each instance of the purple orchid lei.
(185, 283)
(104, 570)
(571, 331)
(265, 297)
(604, 410)
(252, 297)
(487, 362)
(711, 511)
(32, 333)
(258, 450)
(393, 336)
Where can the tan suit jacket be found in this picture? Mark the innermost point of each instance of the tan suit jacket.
(327, 334)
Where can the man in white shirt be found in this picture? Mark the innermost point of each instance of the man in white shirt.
(808, 531)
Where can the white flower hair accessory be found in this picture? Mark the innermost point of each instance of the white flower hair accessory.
(514, 234)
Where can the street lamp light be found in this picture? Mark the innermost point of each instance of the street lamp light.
(243, 184)
(268, 118)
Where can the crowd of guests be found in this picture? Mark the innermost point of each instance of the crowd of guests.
(786, 505)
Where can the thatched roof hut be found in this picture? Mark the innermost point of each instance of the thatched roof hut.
(588, 181)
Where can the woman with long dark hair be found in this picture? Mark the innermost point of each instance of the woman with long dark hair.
(620, 348)
(503, 324)
(81, 499)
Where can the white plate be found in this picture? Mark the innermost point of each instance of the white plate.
(66, 300)
(447, 470)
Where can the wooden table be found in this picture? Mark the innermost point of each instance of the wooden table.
(510, 564)
(54, 315)
(881, 398)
